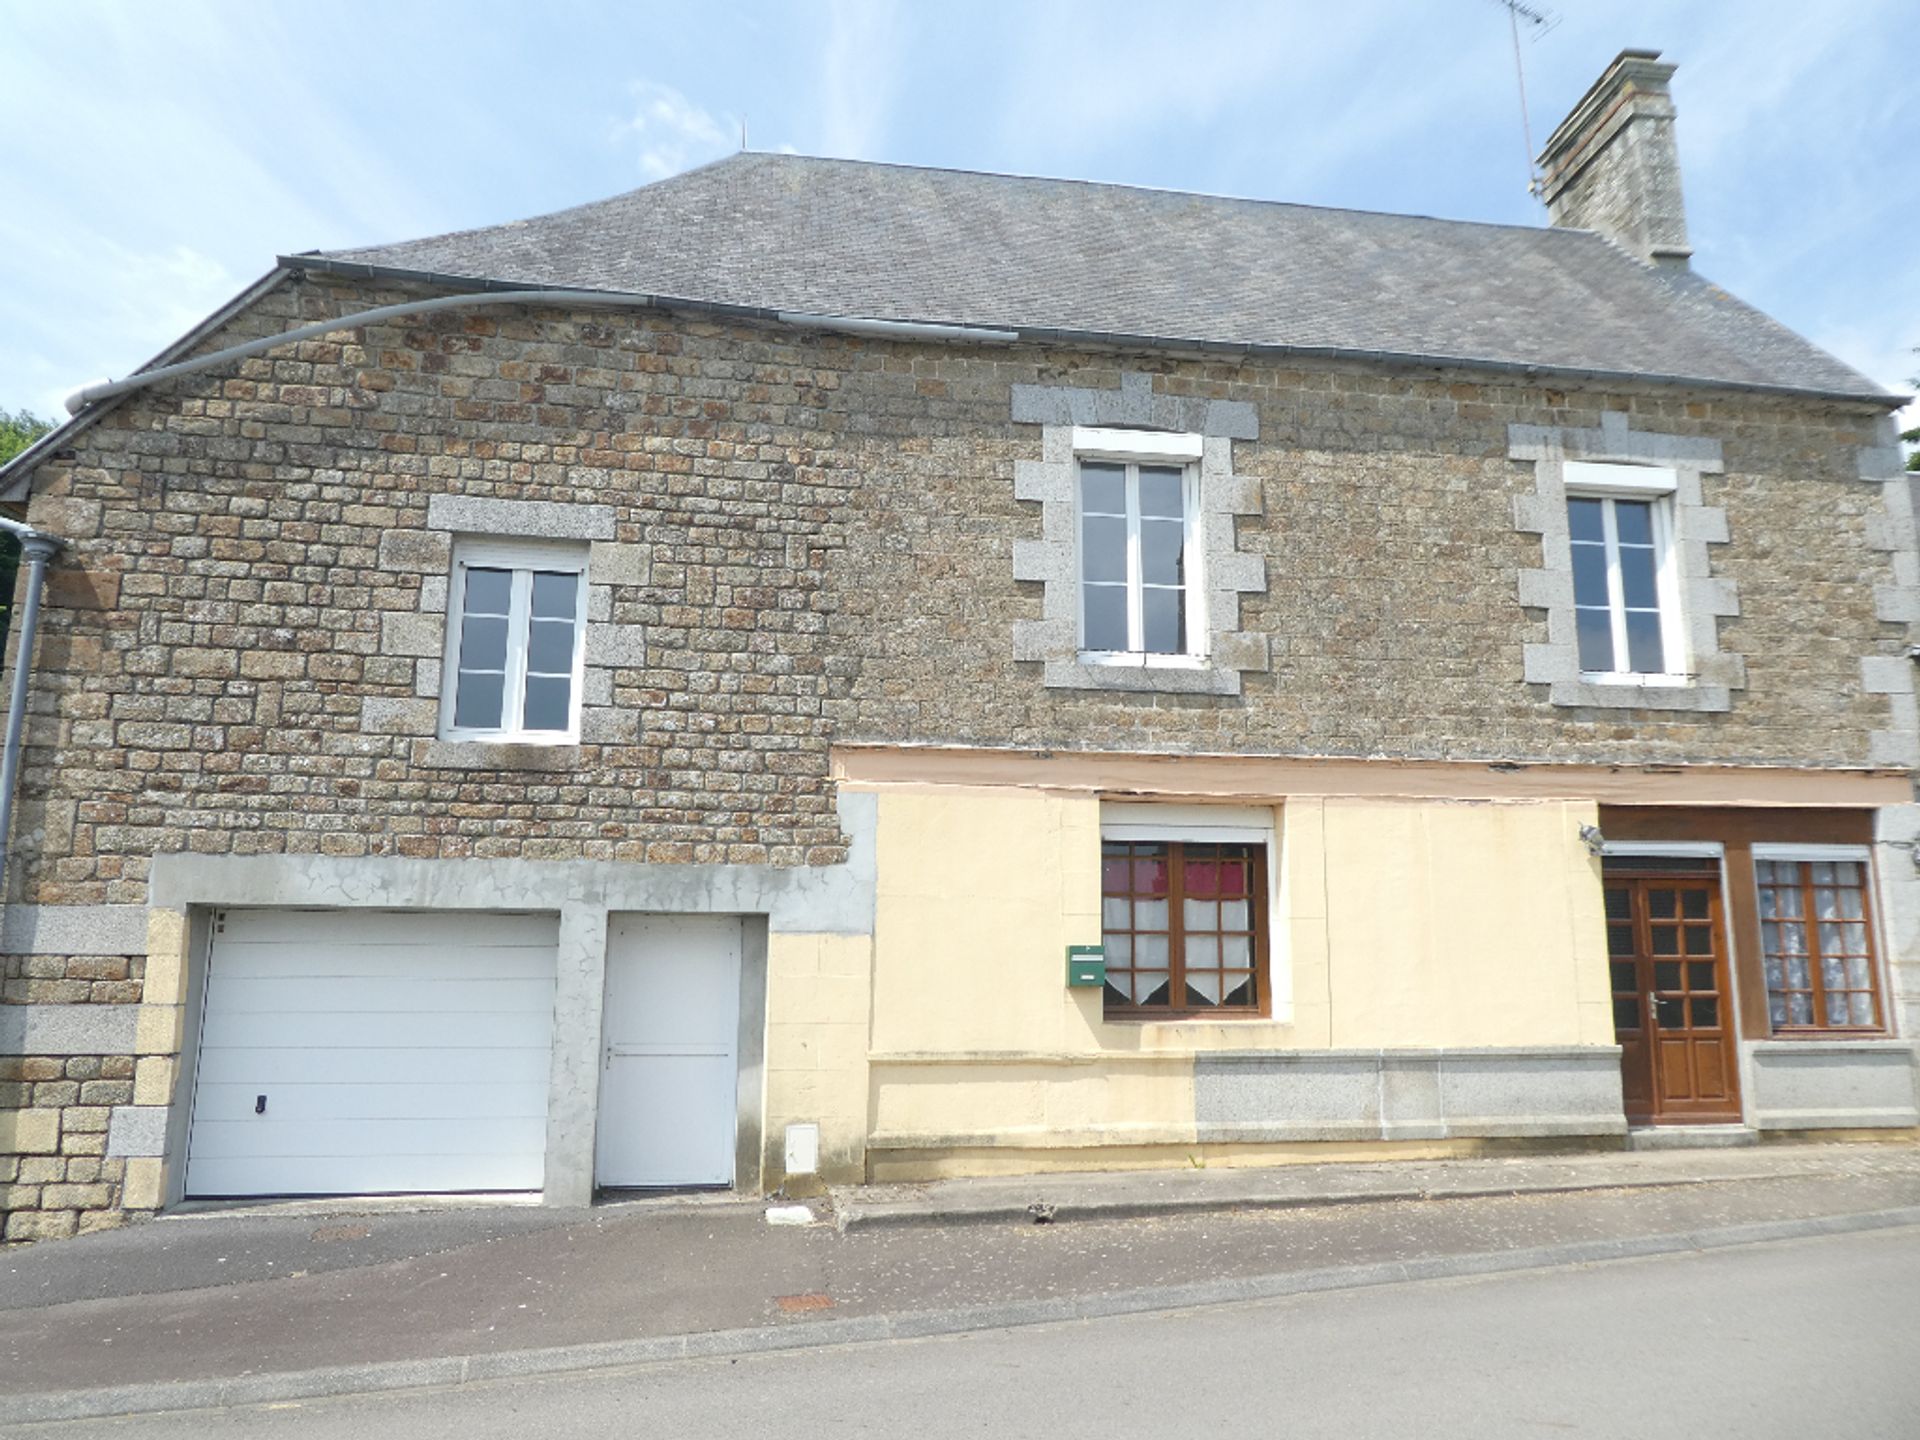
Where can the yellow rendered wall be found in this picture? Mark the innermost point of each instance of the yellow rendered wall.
(976, 1037)
(979, 894)
(817, 1019)
(1446, 924)
(1398, 924)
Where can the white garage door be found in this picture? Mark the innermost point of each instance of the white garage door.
(373, 1052)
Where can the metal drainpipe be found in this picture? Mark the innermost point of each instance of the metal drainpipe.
(36, 548)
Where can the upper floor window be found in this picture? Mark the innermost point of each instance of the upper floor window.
(1140, 598)
(516, 625)
(1625, 589)
(1816, 940)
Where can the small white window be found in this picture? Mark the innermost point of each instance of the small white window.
(516, 618)
(1625, 592)
(1140, 597)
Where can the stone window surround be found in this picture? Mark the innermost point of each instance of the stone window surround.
(1227, 573)
(421, 636)
(1703, 599)
(1894, 533)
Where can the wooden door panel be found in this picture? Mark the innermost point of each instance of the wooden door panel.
(1709, 1073)
(1676, 1078)
(1666, 943)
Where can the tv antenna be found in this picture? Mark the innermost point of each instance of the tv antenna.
(1539, 21)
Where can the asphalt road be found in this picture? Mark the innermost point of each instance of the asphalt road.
(1800, 1339)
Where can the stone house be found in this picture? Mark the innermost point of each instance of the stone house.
(815, 670)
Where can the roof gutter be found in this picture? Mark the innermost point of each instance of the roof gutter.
(896, 329)
(1525, 369)
(111, 389)
(1105, 339)
(14, 472)
(480, 292)
(495, 294)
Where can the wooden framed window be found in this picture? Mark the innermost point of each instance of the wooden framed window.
(1184, 924)
(516, 627)
(1139, 554)
(1816, 935)
(1625, 590)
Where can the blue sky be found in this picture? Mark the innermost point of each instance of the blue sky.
(160, 155)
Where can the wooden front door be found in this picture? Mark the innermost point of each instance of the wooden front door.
(1672, 1007)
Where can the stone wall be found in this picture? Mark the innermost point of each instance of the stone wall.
(56, 1176)
(233, 660)
(811, 538)
(1391, 552)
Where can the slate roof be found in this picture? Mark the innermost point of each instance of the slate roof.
(852, 238)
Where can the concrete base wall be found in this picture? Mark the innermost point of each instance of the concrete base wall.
(887, 1165)
(1408, 1094)
(1833, 1085)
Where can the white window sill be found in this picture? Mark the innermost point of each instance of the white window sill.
(1163, 675)
(1649, 681)
(541, 738)
(1126, 659)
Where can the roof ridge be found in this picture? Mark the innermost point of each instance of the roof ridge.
(1140, 188)
(1126, 186)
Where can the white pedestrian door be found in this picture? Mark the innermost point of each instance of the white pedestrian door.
(670, 1064)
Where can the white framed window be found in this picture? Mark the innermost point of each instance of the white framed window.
(1136, 506)
(516, 630)
(1626, 588)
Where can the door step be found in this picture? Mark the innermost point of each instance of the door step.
(1690, 1137)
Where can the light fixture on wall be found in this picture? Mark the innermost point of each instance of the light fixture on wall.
(1595, 842)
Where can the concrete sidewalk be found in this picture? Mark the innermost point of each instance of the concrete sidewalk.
(206, 1309)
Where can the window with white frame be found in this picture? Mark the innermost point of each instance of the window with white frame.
(1626, 593)
(516, 624)
(1141, 601)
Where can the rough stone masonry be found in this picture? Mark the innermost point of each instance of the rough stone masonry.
(797, 539)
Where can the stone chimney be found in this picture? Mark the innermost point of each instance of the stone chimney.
(1612, 164)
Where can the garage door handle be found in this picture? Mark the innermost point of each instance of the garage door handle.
(259, 1104)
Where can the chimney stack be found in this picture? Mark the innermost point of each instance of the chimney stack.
(1612, 165)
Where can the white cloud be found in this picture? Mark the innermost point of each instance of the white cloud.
(97, 307)
(673, 133)
(1102, 76)
(860, 76)
(1286, 102)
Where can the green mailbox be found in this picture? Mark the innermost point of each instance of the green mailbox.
(1086, 965)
